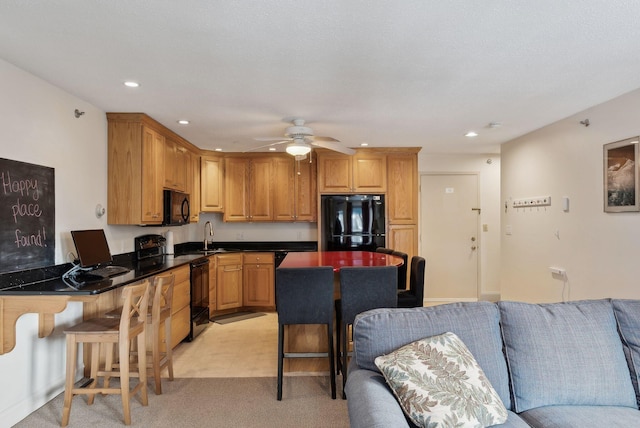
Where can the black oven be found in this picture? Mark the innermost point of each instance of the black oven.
(199, 296)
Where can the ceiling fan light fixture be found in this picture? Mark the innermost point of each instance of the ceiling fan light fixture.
(298, 148)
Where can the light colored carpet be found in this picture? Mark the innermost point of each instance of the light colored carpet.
(214, 402)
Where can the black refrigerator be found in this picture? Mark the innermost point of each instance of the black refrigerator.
(352, 222)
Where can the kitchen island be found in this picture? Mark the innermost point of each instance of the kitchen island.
(313, 338)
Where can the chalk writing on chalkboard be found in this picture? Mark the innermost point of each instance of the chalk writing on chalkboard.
(27, 216)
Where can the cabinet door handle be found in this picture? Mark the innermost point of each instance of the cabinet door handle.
(232, 270)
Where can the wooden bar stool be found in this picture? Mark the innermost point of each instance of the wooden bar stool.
(107, 332)
(161, 316)
(158, 317)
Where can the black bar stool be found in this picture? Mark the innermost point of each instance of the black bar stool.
(402, 270)
(414, 296)
(361, 289)
(305, 296)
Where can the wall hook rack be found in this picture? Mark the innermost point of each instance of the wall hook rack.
(78, 113)
(585, 122)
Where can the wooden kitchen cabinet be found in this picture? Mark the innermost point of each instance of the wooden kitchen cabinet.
(152, 165)
(180, 306)
(402, 202)
(403, 238)
(212, 284)
(365, 171)
(258, 279)
(294, 196)
(176, 166)
(402, 181)
(193, 188)
(248, 189)
(136, 168)
(134, 189)
(228, 281)
(212, 184)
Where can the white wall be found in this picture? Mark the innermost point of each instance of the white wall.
(38, 126)
(598, 250)
(489, 178)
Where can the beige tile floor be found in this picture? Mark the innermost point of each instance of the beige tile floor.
(246, 348)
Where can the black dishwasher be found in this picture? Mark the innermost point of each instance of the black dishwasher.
(199, 296)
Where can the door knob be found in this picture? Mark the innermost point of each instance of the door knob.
(473, 238)
(473, 247)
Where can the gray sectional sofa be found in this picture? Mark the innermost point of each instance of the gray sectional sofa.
(573, 364)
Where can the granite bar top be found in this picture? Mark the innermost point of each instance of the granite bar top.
(48, 280)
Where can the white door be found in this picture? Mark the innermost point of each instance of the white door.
(449, 236)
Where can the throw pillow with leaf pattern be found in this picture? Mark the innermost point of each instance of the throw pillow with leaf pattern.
(439, 384)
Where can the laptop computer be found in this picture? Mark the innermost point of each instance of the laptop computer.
(93, 253)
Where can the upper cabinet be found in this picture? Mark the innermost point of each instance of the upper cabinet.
(248, 188)
(176, 166)
(212, 184)
(365, 171)
(138, 151)
(402, 180)
(295, 181)
(193, 185)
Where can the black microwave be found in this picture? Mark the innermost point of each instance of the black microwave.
(176, 208)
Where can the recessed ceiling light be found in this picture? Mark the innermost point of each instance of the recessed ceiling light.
(218, 149)
(183, 122)
(364, 144)
(471, 134)
(131, 84)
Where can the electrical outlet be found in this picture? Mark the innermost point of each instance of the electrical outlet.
(240, 236)
(557, 272)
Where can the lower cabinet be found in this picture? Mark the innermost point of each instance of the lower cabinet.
(228, 281)
(403, 237)
(212, 284)
(180, 306)
(259, 289)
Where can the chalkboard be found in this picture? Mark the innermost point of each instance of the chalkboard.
(27, 216)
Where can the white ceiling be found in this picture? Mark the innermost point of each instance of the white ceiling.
(389, 73)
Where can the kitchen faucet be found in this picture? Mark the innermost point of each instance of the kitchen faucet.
(205, 233)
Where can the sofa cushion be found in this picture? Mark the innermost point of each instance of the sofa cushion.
(439, 383)
(565, 354)
(380, 331)
(582, 416)
(628, 315)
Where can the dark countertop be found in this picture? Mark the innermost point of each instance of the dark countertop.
(48, 280)
(58, 286)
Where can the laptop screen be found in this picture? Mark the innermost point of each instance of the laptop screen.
(91, 246)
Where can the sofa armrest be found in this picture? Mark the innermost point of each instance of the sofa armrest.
(370, 402)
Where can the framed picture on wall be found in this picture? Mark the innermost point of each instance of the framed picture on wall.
(621, 176)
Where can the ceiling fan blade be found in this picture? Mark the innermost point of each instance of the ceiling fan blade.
(318, 138)
(271, 138)
(266, 145)
(335, 147)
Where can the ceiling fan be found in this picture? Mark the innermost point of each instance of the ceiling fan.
(301, 138)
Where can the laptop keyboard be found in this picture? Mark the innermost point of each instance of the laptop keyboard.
(109, 271)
